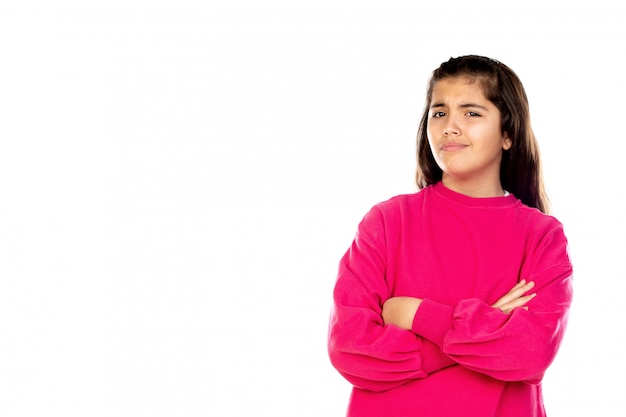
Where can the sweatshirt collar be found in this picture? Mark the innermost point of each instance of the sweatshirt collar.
(504, 201)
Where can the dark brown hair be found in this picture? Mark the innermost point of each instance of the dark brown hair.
(520, 170)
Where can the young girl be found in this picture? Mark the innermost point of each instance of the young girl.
(452, 301)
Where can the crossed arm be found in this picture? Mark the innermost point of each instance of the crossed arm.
(400, 311)
(368, 339)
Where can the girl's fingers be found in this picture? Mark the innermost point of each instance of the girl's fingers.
(515, 293)
(518, 302)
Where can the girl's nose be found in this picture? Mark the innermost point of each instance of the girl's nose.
(451, 128)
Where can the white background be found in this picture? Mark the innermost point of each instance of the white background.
(178, 181)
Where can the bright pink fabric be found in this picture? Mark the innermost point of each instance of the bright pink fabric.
(462, 357)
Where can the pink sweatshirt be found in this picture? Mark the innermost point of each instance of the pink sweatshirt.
(462, 358)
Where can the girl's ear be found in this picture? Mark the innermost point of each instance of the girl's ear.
(506, 142)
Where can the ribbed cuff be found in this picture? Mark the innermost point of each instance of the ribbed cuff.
(433, 320)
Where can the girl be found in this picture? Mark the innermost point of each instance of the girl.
(452, 301)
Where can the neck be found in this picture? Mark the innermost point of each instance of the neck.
(474, 189)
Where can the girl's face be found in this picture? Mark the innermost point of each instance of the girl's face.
(465, 137)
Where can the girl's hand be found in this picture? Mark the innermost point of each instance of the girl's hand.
(400, 311)
(516, 298)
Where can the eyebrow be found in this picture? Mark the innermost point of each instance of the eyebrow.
(463, 106)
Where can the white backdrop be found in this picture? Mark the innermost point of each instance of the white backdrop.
(178, 181)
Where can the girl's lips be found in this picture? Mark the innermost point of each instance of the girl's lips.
(452, 146)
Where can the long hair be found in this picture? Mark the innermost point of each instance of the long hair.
(520, 169)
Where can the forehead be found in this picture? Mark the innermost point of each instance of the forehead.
(464, 88)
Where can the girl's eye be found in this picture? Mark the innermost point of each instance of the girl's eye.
(473, 114)
(438, 114)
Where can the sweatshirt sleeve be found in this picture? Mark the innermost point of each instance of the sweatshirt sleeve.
(367, 353)
(512, 347)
